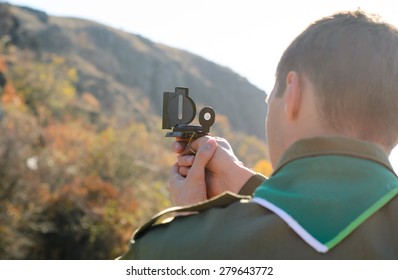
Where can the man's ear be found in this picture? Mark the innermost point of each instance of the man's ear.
(292, 95)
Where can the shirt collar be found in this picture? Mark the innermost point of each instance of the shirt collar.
(318, 146)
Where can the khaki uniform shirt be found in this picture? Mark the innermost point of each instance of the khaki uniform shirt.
(233, 226)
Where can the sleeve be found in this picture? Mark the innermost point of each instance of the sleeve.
(251, 185)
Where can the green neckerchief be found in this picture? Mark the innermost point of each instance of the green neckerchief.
(324, 188)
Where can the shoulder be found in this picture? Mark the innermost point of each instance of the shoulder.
(221, 201)
(222, 204)
(233, 229)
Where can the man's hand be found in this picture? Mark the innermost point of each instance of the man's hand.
(224, 172)
(191, 188)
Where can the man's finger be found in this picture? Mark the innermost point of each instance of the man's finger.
(178, 147)
(203, 156)
(184, 171)
(174, 173)
(195, 145)
(185, 160)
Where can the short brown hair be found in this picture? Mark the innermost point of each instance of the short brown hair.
(351, 58)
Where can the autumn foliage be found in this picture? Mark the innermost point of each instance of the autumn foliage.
(75, 183)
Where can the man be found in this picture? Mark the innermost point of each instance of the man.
(332, 120)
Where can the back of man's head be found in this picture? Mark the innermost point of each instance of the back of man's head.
(352, 61)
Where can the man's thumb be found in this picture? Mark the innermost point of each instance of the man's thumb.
(203, 156)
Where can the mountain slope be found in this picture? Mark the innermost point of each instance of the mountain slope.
(125, 71)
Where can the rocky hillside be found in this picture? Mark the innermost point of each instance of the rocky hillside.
(124, 71)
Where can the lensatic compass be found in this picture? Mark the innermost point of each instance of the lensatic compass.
(179, 110)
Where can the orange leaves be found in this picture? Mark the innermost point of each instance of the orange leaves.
(264, 167)
(70, 139)
(94, 218)
(90, 190)
(3, 64)
(10, 96)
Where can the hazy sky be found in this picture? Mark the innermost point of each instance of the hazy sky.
(247, 36)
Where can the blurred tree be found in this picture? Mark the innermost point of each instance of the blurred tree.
(76, 223)
(48, 88)
(20, 190)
